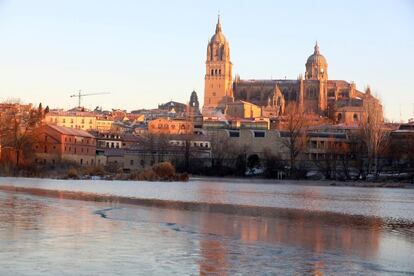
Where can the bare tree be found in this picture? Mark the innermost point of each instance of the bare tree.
(295, 131)
(374, 134)
(18, 125)
(336, 155)
(156, 145)
(222, 148)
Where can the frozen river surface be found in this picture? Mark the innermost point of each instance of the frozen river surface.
(378, 202)
(52, 236)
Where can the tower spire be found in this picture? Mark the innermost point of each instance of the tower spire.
(218, 26)
(316, 48)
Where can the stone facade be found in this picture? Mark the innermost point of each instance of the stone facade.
(218, 77)
(166, 126)
(56, 144)
(315, 94)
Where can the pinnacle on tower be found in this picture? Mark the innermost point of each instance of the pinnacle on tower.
(218, 26)
(316, 47)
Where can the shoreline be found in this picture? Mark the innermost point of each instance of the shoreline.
(255, 180)
(326, 217)
(304, 182)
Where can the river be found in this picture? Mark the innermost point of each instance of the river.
(49, 236)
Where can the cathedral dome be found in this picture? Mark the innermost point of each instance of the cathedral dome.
(316, 57)
(316, 66)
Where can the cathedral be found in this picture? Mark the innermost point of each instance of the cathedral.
(315, 93)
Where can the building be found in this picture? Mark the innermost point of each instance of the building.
(402, 144)
(242, 109)
(168, 126)
(218, 78)
(315, 93)
(56, 144)
(84, 120)
(174, 107)
(115, 140)
(251, 141)
(194, 113)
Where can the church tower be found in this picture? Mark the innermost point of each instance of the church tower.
(218, 78)
(316, 75)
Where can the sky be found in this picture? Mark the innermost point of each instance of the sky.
(149, 52)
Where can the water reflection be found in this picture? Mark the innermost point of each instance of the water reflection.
(303, 233)
(48, 236)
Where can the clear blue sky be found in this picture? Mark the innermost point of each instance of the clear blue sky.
(149, 52)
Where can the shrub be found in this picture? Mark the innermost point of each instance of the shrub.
(164, 170)
(98, 170)
(73, 173)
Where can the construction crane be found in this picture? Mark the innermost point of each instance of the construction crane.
(79, 95)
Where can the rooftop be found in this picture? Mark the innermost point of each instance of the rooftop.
(71, 131)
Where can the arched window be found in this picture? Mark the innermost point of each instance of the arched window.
(219, 71)
(215, 72)
(212, 72)
(355, 117)
(339, 117)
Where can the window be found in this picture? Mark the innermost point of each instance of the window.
(131, 162)
(259, 134)
(234, 134)
(212, 72)
(344, 94)
(219, 71)
(355, 117)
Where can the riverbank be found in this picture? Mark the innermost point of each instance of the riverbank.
(161, 173)
(360, 184)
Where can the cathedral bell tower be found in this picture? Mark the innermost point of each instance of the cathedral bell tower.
(218, 78)
(316, 76)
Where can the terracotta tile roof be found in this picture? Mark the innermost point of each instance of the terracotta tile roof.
(71, 131)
